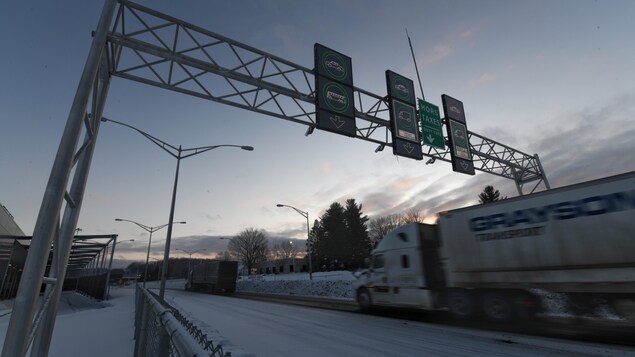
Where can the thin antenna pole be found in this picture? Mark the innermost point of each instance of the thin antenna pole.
(423, 96)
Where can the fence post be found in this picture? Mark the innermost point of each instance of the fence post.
(140, 343)
(163, 348)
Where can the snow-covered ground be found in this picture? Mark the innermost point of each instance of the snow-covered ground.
(86, 327)
(249, 328)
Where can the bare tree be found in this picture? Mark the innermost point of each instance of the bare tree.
(284, 250)
(412, 215)
(380, 226)
(250, 247)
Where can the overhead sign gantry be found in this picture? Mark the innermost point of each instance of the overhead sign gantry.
(140, 44)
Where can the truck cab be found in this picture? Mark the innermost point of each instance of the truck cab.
(404, 270)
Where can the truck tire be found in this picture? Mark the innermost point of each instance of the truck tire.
(364, 299)
(497, 307)
(461, 304)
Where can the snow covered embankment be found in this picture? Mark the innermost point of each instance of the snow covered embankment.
(336, 285)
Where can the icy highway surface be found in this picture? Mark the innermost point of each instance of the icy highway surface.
(257, 328)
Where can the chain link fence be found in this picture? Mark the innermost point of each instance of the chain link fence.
(161, 330)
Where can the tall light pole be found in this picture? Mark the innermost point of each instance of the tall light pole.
(292, 251)
(189, 260)
(177, 153)
(112, 254)
(308, 242)
(150, 230)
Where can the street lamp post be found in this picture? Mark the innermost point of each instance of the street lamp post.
(308, 242)
(112, 253)
(177, 153)
(293, 252)
(150, 230)
(189, 260)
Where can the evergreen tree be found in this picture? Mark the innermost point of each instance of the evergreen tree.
(489, 194)
(333, 235)
(315, 242)
(357, 244)
(339, 239)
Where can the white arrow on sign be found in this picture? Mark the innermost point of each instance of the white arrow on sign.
(430, 138)
(464, 165)
(337, 121)
(408, 147)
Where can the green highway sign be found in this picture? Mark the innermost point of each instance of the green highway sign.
(431, 124)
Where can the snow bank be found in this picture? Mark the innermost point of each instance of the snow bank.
(336, 284)
(335, 289)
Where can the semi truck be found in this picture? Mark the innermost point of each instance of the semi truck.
(213, 277)
(495, 259)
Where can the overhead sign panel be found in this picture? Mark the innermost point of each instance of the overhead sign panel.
(403, 116)
(431, 125)
(336, 123)
(405, 121)
(335, 97)
(335, 104)
(333, 65)
(407, 149)
(459, 140)
(458, 135)
(400, 87)
(463, 166)
(453, 108)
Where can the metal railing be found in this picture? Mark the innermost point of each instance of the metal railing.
(161, 330)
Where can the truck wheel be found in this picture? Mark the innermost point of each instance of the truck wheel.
(497, 307)
(364, 299)
(461, 304)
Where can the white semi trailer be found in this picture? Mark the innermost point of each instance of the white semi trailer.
(489, 259)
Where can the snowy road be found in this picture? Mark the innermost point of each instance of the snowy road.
(257, 328)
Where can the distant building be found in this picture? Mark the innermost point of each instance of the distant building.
(12, 254)
(283, 266)
(7, 224)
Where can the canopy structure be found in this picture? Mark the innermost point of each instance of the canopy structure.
(88, 266)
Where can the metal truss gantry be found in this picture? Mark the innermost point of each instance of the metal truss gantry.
(146, 46)
(153, 48)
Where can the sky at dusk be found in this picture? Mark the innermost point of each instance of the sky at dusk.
(548, 77)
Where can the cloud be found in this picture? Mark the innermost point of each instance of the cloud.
(211, 244)
(499, 134)
(482, 79)
(448, 45)
(298, 230)
(327, 167)
(590, 143)
(586, 144)
(212, 217)
(404, 183)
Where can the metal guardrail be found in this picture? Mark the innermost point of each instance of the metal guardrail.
(161, 330)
